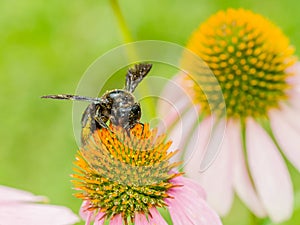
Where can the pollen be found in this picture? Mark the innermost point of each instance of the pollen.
(121, 172)
(250, 64)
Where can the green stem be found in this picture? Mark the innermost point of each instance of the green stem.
(121, 21)
(132, 53)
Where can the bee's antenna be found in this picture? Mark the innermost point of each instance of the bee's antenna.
(73, 98)
(135, 75)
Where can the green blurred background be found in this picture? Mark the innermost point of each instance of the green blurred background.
(45, 47)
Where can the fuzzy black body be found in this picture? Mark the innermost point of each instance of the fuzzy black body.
(117, 106)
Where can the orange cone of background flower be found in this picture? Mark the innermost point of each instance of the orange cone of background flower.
(260, 81)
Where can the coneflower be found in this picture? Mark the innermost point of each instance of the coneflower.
(125, 177)
(258, 76)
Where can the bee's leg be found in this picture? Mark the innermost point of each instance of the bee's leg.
(101, 122)
(99, 118)
(129, 127)
(142, 126)
(88, 123)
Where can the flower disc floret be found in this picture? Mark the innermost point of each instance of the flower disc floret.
(249, 56)
(124, 173)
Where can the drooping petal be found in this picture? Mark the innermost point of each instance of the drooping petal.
(188, 209)
(173, 102)
(8, 194)
(286, 135)
(173, 111)
(100, 219)
(36, 214)
(154, 219)
(214, 144)
(241, 180)
(294, 98)
(89, 217)
(196, 148)
(217, 179)
(140, 219)
(295, 70)
(269, 172)
(83, 211)
(116, 220)
(181, 132)
(173, 92)
(191, 186)
(290, 115)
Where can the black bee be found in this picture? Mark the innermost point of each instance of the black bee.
(117, 106)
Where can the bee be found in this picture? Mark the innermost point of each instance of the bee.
(117, 106)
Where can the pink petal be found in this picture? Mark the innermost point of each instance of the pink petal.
(89, 217)
(8, 194)
(217, 179)
(99, 219)
(295, 70)
(173, 102)
(83, 212)
(269, 173)
(242, 181)
(286, 135)
(294, 98)
(171, 93)
(294, 80)
(214, 144)
(290, 115)
(196, 148)
(175, 110)
(191, 187)
(181, 132)
(189, 209)
(154, 219)
(140, 219)
(116, 220)
(36, 214)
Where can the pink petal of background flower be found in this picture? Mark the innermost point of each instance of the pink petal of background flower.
(18, 207)
(269, 172)
(241, 179)
(287, 136)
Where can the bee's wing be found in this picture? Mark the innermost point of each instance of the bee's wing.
(135, 75)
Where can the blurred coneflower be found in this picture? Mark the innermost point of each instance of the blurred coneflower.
(259, 77)
(124, 177)
(22, 207)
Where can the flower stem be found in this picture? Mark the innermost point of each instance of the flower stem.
(121, 21)
(132, 54)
